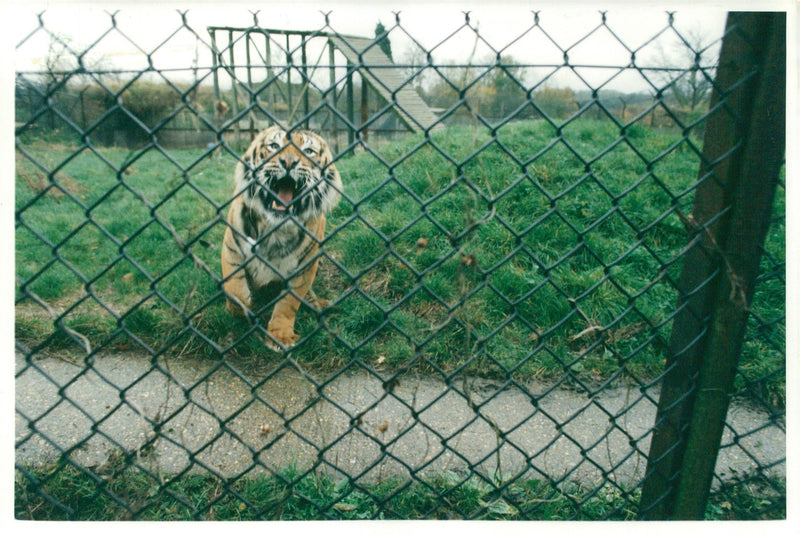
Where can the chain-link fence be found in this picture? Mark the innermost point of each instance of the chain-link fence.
(556, 282)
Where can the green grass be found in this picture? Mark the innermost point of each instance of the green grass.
(121, 491)
(295, 495)
(757, 498)
(529, 241)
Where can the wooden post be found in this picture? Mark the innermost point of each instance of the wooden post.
(306, 81)
(251, 97)
(364, 110)
(215, 66)
(351, 115)
(331, 97)
(742, 156)
(271, 90)
(234, 91)
(83, 108)
(753, 181)
(289, 118)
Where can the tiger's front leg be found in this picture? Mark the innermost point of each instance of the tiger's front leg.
(281, 324)
(239, 297)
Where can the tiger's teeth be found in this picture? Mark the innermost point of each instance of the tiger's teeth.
(275, 206)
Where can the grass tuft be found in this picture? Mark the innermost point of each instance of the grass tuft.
(119, 490)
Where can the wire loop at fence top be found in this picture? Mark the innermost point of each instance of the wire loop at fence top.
(498, 296)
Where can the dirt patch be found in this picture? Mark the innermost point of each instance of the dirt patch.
(57, 185)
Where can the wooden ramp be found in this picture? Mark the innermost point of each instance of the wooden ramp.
(383, 75)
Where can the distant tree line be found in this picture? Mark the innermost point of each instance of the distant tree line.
(114, 111)
(505, 90)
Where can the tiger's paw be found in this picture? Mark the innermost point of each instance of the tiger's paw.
(316, 302)
(285, 337)
(321, 304)
(236, 309)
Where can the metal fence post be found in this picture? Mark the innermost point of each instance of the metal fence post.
(743, 153)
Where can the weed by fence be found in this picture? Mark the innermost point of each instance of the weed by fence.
(539, 311)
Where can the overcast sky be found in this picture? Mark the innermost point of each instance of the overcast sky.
(504, 26)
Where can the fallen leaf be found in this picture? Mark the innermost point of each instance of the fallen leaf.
(469, 261)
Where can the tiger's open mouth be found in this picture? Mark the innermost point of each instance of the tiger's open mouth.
(283, 193)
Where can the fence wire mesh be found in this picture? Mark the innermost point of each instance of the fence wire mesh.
(502, 267)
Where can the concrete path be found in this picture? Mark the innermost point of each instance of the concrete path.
(232, 423)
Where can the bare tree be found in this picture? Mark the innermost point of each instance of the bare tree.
(62, 83)
(689, 69)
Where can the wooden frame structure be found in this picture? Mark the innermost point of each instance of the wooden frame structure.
(282, 85)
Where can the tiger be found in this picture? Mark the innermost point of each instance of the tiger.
(285, 185)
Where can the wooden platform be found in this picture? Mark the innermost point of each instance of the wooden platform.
(383, 75)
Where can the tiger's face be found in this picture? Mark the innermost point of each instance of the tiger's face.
(283, 175)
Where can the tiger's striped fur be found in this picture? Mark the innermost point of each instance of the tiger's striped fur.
(284, 187)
